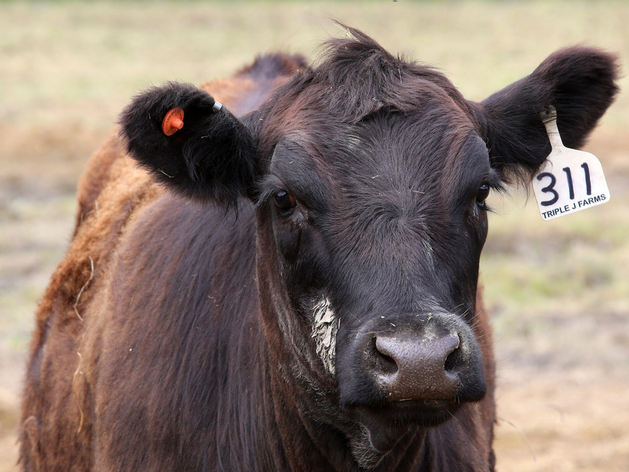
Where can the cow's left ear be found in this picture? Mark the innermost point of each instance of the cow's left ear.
(579, 82)
(204, 152)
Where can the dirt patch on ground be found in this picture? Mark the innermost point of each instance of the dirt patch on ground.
(563, 396)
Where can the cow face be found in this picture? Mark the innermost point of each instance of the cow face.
(371, 224)
(377, 233)
(369, 175)
(372, 239)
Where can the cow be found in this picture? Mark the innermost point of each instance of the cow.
(292, 284)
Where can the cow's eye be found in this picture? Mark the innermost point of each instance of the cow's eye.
(483, 193)
(284, 200)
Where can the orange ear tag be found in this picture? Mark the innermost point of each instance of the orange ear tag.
(173, 121)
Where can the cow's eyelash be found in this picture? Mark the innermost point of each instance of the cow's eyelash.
(267, 191)
(264, 196)
(495, 185)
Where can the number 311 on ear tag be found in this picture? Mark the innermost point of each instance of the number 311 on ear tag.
(569, 180)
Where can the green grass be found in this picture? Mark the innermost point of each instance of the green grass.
(577, 262)
(99, 53)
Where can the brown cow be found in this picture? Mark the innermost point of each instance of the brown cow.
(299, 292)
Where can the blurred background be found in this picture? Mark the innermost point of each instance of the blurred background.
(558, 291)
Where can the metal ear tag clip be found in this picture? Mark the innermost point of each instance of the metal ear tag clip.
(569, 180)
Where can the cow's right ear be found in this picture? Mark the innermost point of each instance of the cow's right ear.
(210, 158)
(579, 82)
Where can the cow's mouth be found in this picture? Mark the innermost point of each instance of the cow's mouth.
(397, 383)
(383, 427)
(425, 413)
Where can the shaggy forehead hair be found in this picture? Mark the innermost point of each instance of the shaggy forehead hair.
(363, 78)
(354, 79)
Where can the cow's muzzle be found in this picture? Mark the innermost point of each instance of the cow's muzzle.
(431, 362)
(412, 369)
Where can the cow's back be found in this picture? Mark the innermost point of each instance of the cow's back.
(116, 201)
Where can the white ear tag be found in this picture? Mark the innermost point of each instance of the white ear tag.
(569, 180)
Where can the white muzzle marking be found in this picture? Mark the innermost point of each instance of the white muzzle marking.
(324, 330)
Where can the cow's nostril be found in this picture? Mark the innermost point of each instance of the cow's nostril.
(454, 360)
(385, 363)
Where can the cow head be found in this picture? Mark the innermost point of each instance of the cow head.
(369, 176)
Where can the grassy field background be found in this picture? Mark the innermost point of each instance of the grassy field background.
(558, 291)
